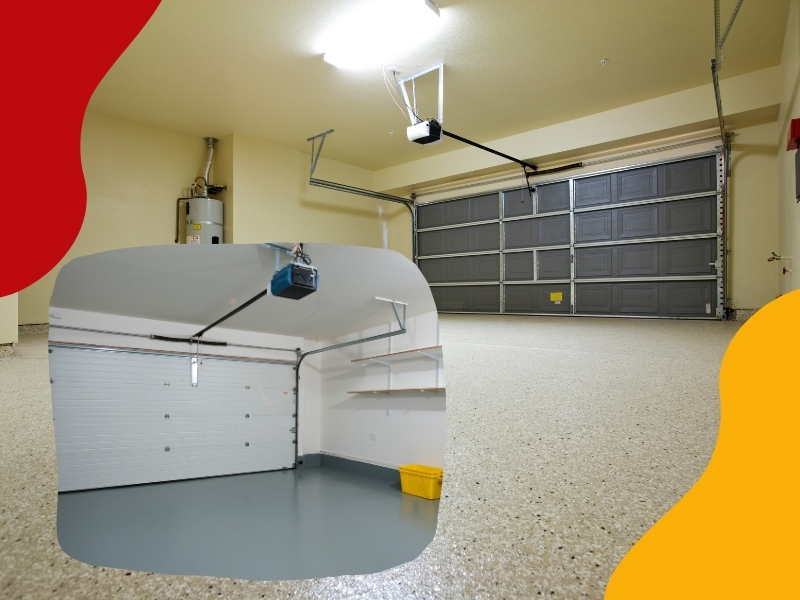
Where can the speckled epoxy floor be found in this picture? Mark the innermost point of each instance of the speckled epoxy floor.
(567, 438)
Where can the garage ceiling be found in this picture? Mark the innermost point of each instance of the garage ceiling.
(206, 67)
(198, 284)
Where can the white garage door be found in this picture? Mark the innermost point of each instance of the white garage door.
(125, 417)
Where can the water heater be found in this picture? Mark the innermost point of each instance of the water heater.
(200, 221)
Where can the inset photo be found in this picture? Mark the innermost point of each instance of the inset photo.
(255, 411)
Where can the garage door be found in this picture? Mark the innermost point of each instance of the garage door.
(125, 417)
(646, 241)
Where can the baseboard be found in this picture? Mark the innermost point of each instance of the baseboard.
(33, 329)
(331, 461)
(742, 314)
(309, 460)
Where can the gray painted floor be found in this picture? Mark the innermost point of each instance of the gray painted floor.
(298, 524)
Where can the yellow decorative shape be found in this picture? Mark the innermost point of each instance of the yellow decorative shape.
(735, 533)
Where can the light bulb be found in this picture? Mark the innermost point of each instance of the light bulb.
(377, 31)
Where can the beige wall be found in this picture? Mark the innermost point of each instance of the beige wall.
(790, 109)
(753, 226)
(133, 176)
(272, 200)
(8, 319)
(135, 173)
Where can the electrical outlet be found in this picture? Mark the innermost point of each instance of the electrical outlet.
(373, 437)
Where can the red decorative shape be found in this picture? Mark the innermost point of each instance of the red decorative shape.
(794, 135)
(54, 56)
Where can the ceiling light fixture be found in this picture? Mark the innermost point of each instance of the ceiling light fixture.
(378, 31)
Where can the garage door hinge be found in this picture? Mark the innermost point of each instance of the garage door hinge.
(294, 441)
(293, 430)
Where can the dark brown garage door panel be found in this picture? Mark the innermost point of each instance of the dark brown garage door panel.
(552, 197)
(517, 203)
(688, 257)
(486, 298)
(593, 191)
(468, 298)
(456, 268)
(484, 208)
(593, 226)
(648, 298)
(657, 259)
(552, 231)
(554, 264)
(686, 217)
(520, 298)
(636, 222)
(475, 238)
(451, 298)
(636, 260)
(689, 176)
(541, 298)
(636, 298)
(519, 266)
(689, 298)
(432, 270)
(457, 240)
(554, 298)
(546, 231)
(484, 237)
(430, 215)
(593, 298)
(593, 263)
(519, 234)
(484, 267)
(430, 243)
(663, 219)
(638, 184)
(455, 212)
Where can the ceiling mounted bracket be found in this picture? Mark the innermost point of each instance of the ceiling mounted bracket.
(413, 114)
(719, 41)
(340, 187)
(315, 155)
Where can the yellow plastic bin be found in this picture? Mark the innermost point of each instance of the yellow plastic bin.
(420, 480)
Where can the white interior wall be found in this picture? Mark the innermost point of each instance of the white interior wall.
(309, 423)
(409, 427)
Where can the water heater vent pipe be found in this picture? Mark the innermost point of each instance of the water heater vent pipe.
(207, 168)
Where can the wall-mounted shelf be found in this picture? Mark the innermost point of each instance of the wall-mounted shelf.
(432, 352)
(434, 390)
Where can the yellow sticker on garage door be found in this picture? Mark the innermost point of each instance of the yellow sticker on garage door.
(556, 296)
(198, 226)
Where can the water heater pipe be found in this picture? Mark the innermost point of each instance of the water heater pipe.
(211, 141)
